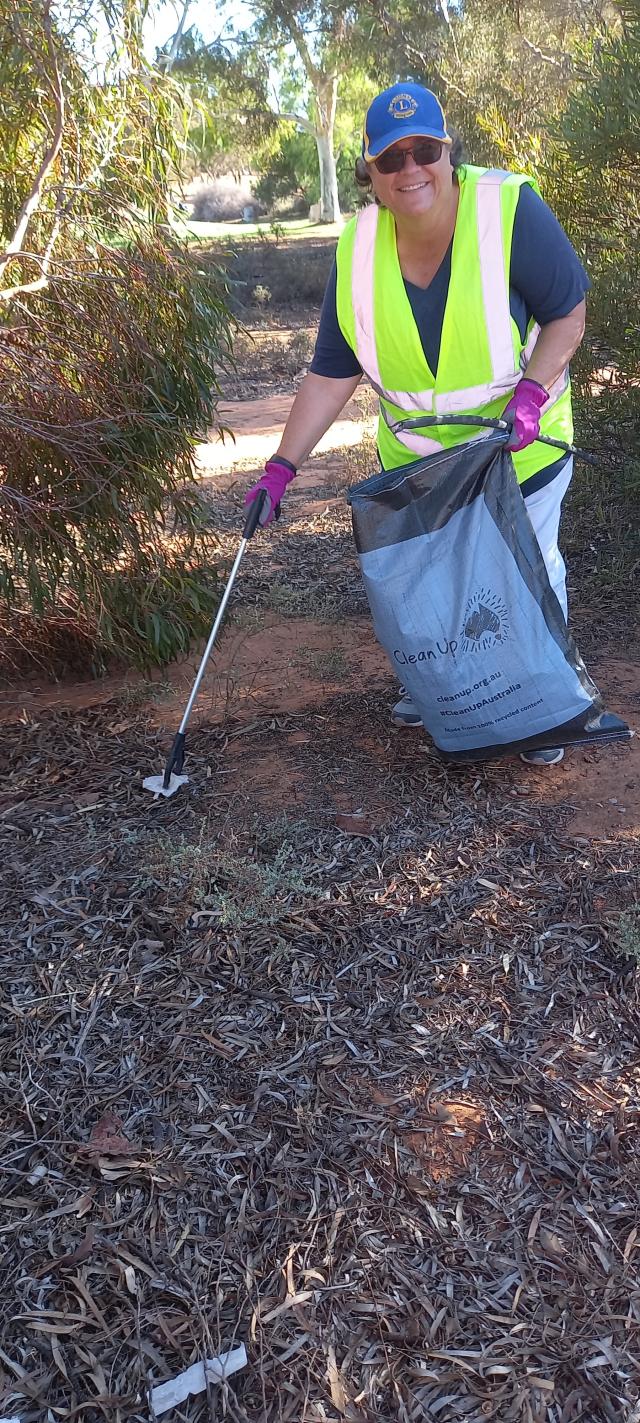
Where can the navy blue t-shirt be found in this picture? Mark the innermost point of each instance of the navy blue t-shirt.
(546, 281)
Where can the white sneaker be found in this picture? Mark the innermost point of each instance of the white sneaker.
(405, 712)
(548, 757)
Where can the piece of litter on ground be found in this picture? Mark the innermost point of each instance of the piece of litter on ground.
(38, 1174)
(194, 1380)
(155, 784)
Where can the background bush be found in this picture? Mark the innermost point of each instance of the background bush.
(583, 145)
(99, 515)
(110, 350)
(292, 177)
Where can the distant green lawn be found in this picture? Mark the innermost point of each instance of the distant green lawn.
(238, 230)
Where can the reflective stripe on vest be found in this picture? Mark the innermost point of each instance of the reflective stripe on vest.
(507, 355)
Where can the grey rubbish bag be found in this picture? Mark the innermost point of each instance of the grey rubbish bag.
(462, 604)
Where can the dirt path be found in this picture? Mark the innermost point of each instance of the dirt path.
(335, 1054)
(257, 425)
(277, 659)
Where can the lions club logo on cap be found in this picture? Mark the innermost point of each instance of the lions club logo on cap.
(403, 106)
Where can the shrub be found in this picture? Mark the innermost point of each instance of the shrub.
(578, 134)
(221, 199)
(107, 380)
(112, 340)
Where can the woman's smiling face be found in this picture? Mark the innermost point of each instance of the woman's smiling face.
(415, 189)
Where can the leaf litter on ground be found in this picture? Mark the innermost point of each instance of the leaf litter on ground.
(356, 1089)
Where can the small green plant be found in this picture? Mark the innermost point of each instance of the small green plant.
(239, 889)
(271, 832)
(626, 933)
(299, 350)
(326, 664)
(261, 295)
(137, 694)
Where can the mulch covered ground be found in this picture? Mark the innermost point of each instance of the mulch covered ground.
(359, 1092)
(335, 1055)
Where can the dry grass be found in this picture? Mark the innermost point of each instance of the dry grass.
(267, 359)
(294, 272)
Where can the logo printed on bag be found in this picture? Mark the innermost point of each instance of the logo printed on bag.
(426, 654)
(486, 622)
(403, 106)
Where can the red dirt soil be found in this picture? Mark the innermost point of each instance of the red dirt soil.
(294, 664)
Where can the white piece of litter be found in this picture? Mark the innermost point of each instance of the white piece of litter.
(194, 1380)
(9, 1420)
(154, 783)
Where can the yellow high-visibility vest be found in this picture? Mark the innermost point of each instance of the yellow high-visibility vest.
(482, 354)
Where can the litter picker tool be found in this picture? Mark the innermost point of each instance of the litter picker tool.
(172, 779)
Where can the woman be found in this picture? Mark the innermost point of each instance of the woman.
(455, 292)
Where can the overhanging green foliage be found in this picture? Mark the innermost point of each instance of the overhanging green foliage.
(110, 349)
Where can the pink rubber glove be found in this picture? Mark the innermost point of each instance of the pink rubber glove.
(278, 474)
(524, 409)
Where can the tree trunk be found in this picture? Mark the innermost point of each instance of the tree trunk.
(326, 95)
(329, 202)
(175, 43)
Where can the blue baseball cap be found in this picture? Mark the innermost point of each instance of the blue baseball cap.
(403, 111)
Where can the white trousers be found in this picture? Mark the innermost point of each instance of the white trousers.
(544, 509)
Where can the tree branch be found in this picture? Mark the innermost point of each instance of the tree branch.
(548, 58)
(297, 35)
(427, 62)
(32, 202)
(447, 18)
(390, 23)
(277, 114)
(168, 63)
(8, 293)
(298, 119)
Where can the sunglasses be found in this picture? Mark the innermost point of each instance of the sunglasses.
(424, 152)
